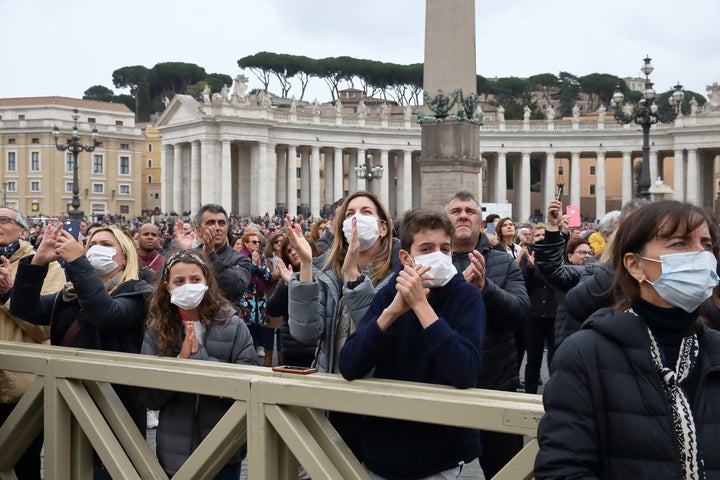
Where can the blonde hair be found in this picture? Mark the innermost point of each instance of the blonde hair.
(132, 262)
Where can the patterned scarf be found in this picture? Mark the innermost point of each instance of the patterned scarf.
(683, 421)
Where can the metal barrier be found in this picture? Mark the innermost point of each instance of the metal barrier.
(280, 415)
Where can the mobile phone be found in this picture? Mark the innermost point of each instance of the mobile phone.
(294, 369)
(490, 228)
(72, 227)
(558, 197)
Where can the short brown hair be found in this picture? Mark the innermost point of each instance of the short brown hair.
(418, 220)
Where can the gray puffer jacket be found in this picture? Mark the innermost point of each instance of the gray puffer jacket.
(186, 419)
(313, 307)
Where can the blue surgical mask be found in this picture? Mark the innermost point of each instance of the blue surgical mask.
(687, 278)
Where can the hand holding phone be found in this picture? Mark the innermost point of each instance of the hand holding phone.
(558, 197)
(72, 227)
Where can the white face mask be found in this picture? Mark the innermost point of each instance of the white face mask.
(441, 267)
(188, 296)
(687, 278)
(101, 259)
(367, 228)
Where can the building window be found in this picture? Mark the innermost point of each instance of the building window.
(298, 174)
(149, 163)
(149, 147)
(98, 208)
(124, 146)
(124, 165)
(35, 140)
(124, 189)
(11, 141)
(68, 162)
(118, 123)
(21, 117)
(34, 161)
(561, 171)
(149, 179)
(98, 164)
(98, 188)
(12, 186)
(91, 120)
(592, 170)
(68, 187)
(35, 186)
(592, 189)
(124, 209)
(12, 161)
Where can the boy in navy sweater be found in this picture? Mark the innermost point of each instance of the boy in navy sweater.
(422, 327)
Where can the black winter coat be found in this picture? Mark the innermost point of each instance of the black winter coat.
(292, 349)
(606, 414)
(113, 322)
(507, 306)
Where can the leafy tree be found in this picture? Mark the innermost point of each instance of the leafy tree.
(545, 82)
(569, 90)
(143, 103)
(513, 86)
(217, 80)
(129, 77)
(169, 78)
(664, 105)
(100, 93)
(599, 87)
(258, 64)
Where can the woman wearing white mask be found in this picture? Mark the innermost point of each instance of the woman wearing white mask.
(189, 318)
(326, 304)
(101, 307)
(635, 393)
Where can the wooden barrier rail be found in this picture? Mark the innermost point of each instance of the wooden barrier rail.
(280, 415)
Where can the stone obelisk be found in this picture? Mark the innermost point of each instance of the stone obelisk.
(450, 158)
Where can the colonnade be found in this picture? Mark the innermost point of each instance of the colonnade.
(254, 178)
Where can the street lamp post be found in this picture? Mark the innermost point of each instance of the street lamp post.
(646, 115)
(369, 171)
(74, 147)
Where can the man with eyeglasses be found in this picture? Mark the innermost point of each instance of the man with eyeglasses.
(14, 228)
(498, 277)
(231, 269)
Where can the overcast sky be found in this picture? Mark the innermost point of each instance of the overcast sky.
(52, 47)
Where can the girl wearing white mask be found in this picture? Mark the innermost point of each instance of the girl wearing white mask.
(103, 304)
(635, 393)
(326, 303)
(189, 318)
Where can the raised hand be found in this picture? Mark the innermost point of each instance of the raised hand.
(553, 217)
(67, 247)
(190, 344)
(350, 268)
(284, 270)
(302, 247)
(46, 251)
(181, 241)
(475, 272)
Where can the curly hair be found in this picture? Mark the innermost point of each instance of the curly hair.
(164, 317)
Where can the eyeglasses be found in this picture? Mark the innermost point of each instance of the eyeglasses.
(278, 240)
(256, 242)
(587, 253)
(4, 220)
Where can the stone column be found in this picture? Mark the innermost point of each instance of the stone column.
(352, 176)
(501, 179)
(266, 179)
(166, 170)
(304, 177)
(406, 183)
(679, 176)
(281, 182)
(549, 181)
(693, 179)
(292, 197)
(226, 175)
(329, 177)
(195, 176)
(384, 192)
(653, 167)
(258, 152)
(315, 181)
(338, 190)
(209, 173)
(360, 160)
(523, 210)
(600, 186)
(177, 205)
(627, 177)
(574, 179)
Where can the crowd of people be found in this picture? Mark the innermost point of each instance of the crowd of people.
(625, 315)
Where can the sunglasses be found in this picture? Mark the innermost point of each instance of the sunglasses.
(279, 240)
(256, 242)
